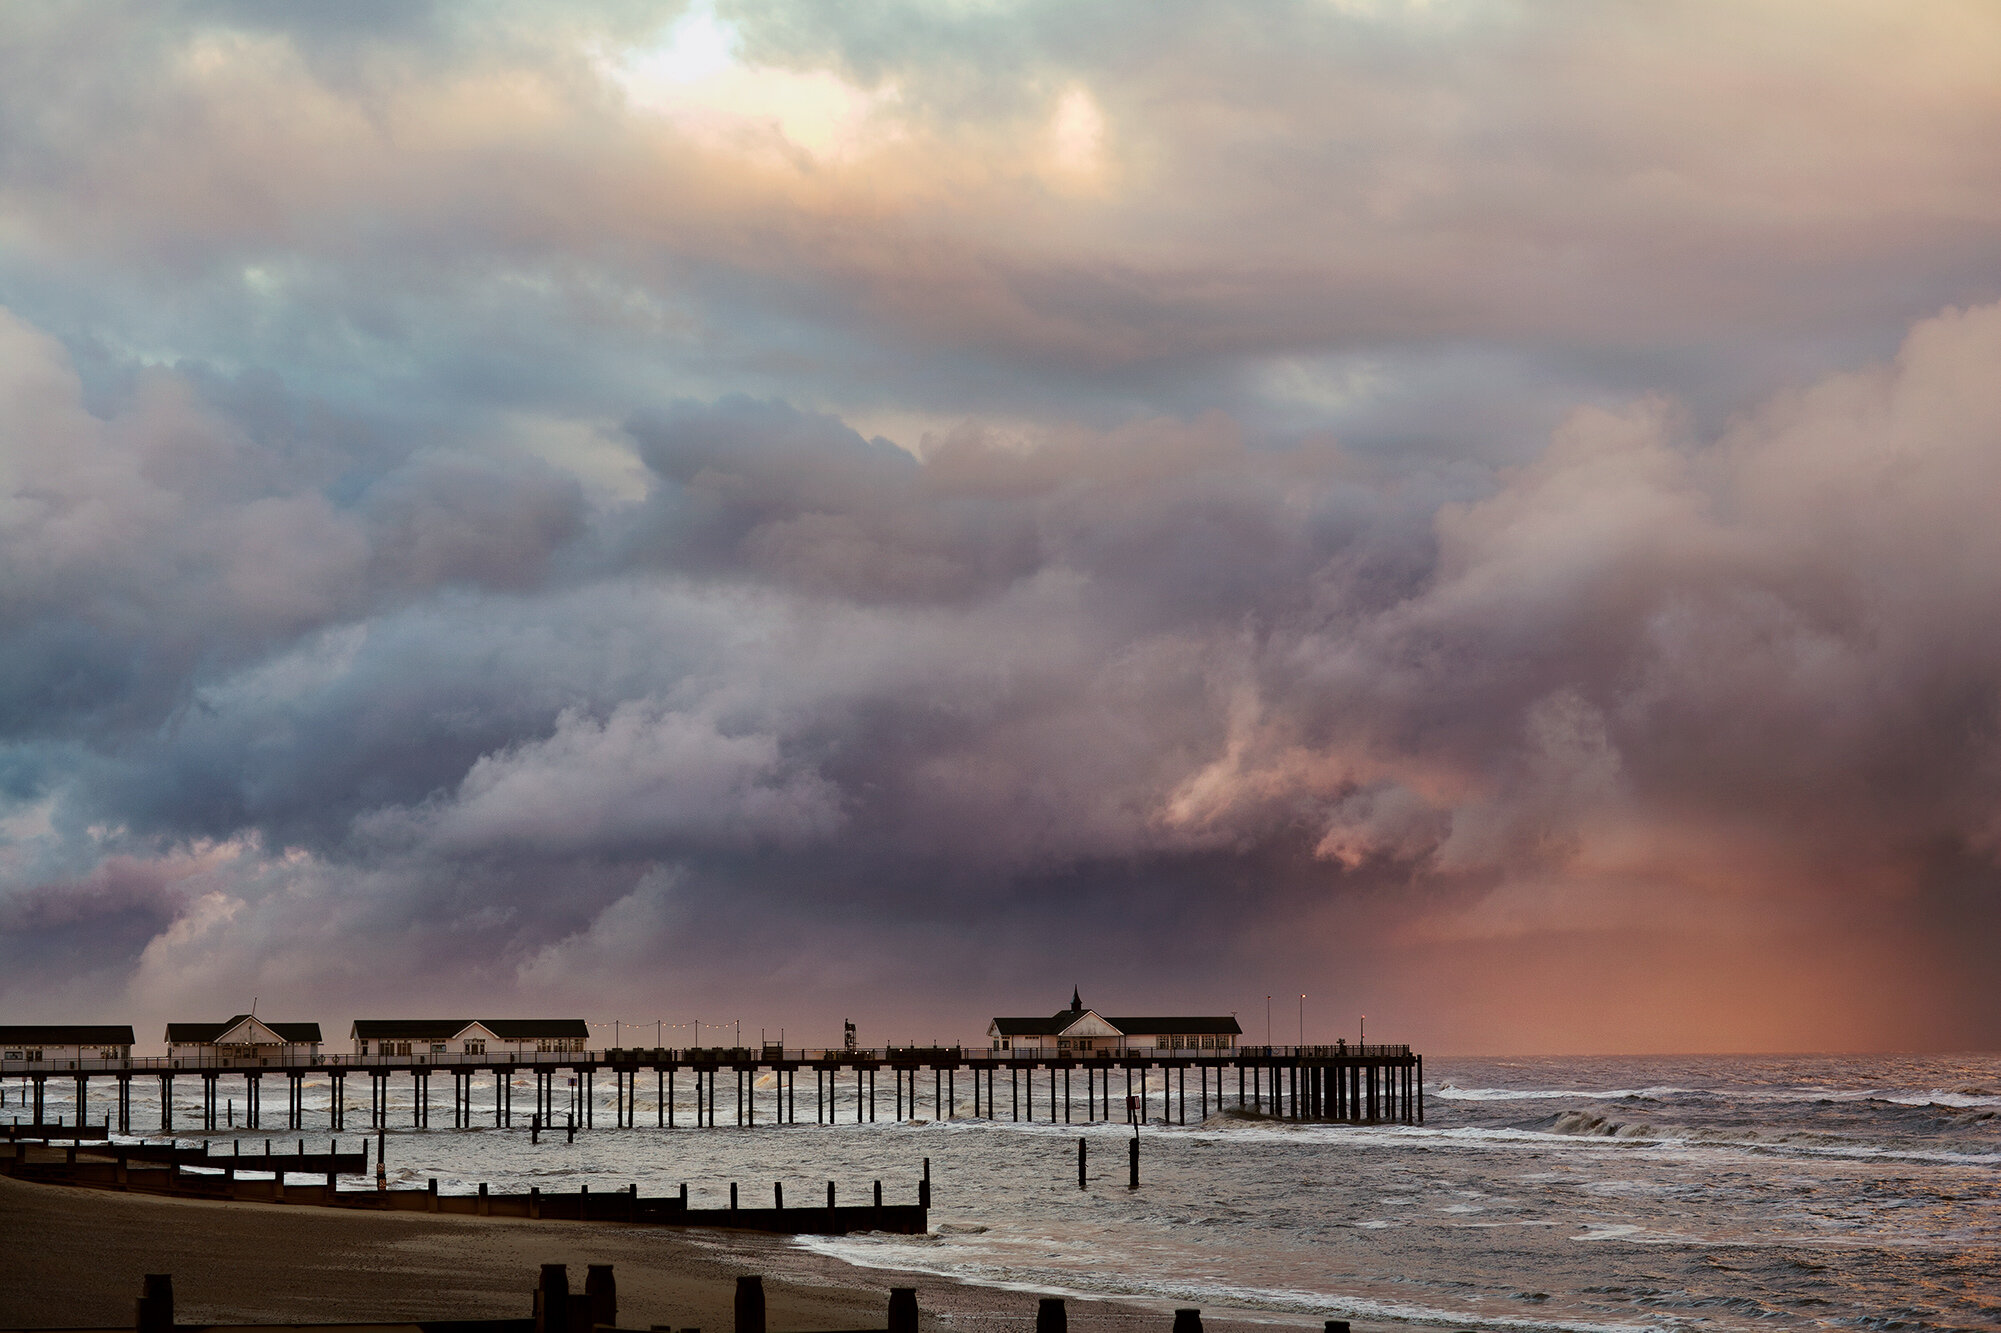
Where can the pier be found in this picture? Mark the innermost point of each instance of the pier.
(1339, 1083)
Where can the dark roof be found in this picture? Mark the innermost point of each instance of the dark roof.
(528, 1029)
(1055, 1023)
(444, 1029)
(179, 1034)
(65, 1034)
(411, 1029)
(1198, 1026)
(1036, 1027)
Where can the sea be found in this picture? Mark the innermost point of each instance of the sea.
(1605, 1195)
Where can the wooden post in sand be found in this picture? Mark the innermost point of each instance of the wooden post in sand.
(155, 1312)
(601, 1295)
(902, 1310)
(552, 1300)
(750, 1304)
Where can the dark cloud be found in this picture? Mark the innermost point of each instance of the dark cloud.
(1392, 501)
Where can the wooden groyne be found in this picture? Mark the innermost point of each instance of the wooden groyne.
(176, 1171)
(1340, 1083)
(558, 1309)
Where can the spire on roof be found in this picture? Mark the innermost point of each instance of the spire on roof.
(1076, 1000)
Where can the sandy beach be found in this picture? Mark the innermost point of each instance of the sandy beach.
(74, 1257)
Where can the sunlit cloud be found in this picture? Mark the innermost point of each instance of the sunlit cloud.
(695, 78)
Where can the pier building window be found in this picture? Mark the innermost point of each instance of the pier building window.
(475, 1046)
(437, 1048)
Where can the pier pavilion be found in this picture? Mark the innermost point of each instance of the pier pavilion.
(244, 1037)
(1081, 1031)
(63, 1044)
(499, 1037)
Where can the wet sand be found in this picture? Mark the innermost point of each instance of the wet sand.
(75, 1257)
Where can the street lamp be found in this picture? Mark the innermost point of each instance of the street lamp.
(1302, 1020)
(1267, 1022)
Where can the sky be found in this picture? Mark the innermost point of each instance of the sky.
(1475, 514)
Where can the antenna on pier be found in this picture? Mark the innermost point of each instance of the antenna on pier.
(253, 1006)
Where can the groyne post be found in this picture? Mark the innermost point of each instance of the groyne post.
(155, 1307)
(552, 1300)
(902, 1310)
(749, 1304)
(601, 1295)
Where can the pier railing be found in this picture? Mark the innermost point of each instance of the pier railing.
(925, 1056)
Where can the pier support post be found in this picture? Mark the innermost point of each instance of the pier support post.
(1050, 1317)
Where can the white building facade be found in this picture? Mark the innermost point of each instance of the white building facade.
(490, 1038)
(65, 1042)
(244, 1039)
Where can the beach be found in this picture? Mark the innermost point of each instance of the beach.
(75, 1257)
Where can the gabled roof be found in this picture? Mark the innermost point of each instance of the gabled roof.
(192, 1034)
(65, 1034)
(1034, 1027)
(444, 1029)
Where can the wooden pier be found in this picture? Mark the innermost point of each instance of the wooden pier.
(1341, 1083)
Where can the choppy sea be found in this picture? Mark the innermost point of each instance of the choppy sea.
(1558, 1193)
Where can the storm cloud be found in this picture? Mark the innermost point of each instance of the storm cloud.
(1474, 515)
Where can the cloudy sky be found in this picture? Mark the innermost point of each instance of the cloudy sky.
(1480, 513)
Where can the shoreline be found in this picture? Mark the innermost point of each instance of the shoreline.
(77, 1256)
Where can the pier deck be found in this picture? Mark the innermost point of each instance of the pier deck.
(1338, 1083)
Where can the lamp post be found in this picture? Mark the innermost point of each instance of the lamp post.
(1267, 1022)
(1302, 1020)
